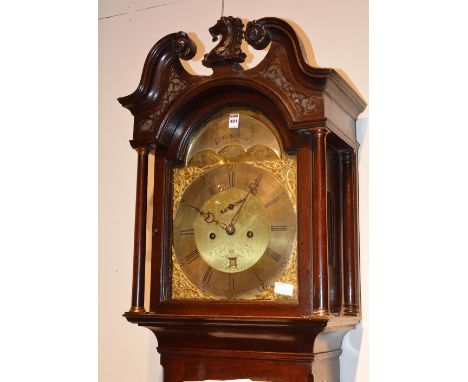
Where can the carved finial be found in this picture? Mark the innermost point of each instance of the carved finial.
(228, 51)
(256, 35)
(183, 46)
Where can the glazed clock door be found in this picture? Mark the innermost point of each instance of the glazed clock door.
(234, 213)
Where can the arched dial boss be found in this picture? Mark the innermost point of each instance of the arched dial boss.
(234, 231)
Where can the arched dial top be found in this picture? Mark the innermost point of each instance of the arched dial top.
(234, 231)
(254, 138)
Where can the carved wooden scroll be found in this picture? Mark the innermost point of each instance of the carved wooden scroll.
(308, 97)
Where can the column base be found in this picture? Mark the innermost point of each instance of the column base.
(137, 310)
(321, 312)
(351, 310)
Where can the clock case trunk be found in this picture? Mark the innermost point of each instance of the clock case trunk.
(314, 111)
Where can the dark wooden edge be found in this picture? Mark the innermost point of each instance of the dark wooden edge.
(250, 355)
(325, 323)
(219, 308)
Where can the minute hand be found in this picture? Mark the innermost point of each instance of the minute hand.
(253, 190)
(236, 215)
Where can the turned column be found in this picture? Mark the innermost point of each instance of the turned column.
(139, 246)
(350, 235)
(319, 222)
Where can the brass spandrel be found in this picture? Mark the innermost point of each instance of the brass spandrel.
(289, 276)
(182, 288)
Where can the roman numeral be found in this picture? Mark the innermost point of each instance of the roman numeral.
(272, 254)
(191, 256)
(207, 277)
(184, 203)
(232, 175)
(189, 231)
(257, 276)
(230, 292)
(231, 282)
(275, 228)
(275, 199)
(284, 263)
(208, 186)
(261, 284)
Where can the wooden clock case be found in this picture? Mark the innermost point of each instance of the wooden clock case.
(315, 111)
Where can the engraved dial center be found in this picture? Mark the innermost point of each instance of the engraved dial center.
(235, 248)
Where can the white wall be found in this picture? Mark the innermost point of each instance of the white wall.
(337, 36)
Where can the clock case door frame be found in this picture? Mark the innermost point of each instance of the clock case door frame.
(224, 97)
(301, 101)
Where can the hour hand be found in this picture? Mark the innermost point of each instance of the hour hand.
(208, 216)
(252, 190)
(231, 206)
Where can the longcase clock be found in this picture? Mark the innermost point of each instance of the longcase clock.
(254, 260)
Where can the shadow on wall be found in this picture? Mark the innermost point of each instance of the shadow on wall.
(351, 347)
(362, 125)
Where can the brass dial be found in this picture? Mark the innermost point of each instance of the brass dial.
(234, 231)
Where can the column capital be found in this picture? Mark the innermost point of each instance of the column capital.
(143, 147)
(321, 131)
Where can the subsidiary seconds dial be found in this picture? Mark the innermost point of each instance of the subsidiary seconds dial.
(234, 231)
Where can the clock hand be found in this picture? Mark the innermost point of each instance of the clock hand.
(236, 215)
(208, 217)
(253, 186)
(253, 190)
(231, 206)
